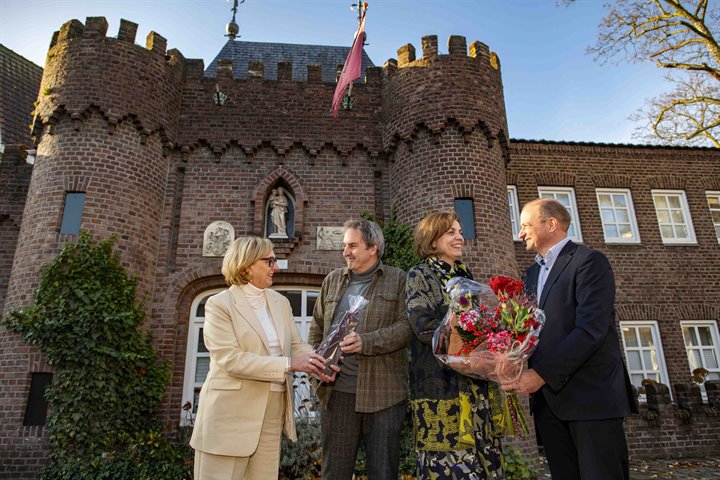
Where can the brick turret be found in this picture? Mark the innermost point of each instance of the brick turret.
(106, 118)
(105, 134)
(446, 131)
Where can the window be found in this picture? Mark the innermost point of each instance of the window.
(197, 362)
(643, 352)
(37, 405)
(72, 213)
(302, 301)
(617, 215)
(702, 344)
(465, 210)
(566, 196)
(514, 211)
(673, 216)
(713, 199)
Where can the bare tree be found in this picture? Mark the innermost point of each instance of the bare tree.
(678, 35)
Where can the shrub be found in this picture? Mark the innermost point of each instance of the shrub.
(516, 466)
(302, 459)
(108, 382)
(398, 241)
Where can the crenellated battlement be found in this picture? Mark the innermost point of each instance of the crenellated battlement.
(97, 27)
(457, 47)
(460, 86)
(256, 70)
(128, 80)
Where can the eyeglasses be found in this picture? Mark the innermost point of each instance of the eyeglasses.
(272, 261)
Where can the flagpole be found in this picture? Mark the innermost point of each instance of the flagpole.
(362, 40)
(352, 70)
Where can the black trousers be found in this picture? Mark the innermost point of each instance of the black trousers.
(584, 449)
(343, 430)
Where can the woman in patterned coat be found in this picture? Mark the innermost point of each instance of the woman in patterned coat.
(451, 412)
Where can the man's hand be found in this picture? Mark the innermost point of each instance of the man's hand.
(330, 378)
(528, 382)
(352, 343)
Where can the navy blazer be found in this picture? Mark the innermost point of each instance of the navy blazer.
(578, 354)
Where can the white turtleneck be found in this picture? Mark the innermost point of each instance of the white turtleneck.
(257, 298)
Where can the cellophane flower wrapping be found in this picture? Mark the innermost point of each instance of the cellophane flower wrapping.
(329, 348)
(488, 333)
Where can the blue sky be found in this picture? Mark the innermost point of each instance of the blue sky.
(553, 89)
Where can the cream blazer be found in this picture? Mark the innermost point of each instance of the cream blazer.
(234, 396)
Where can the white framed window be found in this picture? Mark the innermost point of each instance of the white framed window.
(702, 343)
(514, 211)
(197, 361)
(617, 215)
(713, 199)
(302, 301)
(673, 217)
(643, 351)
(566, 196)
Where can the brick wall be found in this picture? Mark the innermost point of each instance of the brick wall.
(107, 136)
(15, 174)
(663, 283)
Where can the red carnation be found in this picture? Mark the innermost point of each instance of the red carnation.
(506, 285)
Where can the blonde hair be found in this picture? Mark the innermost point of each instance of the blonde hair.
(242, 253)
(430, 229)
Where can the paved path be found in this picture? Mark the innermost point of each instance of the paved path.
(707, 468)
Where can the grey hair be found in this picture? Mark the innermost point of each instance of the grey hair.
(371, 233)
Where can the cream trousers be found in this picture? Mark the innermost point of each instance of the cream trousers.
(264, 464)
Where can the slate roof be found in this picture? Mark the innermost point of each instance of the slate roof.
(241, 53)
(19, 85)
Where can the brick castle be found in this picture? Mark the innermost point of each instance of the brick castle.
(139, 132)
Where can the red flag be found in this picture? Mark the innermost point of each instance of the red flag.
(352, 68)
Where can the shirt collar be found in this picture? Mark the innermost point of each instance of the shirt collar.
(552, 254)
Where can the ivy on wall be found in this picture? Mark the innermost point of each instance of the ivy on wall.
(108, 382)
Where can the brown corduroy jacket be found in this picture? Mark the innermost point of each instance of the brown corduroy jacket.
(385, 333)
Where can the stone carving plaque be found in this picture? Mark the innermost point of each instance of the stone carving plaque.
(218, 237)
(329, 238)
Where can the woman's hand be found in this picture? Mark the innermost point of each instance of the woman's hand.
(309, 363)
(313, 364)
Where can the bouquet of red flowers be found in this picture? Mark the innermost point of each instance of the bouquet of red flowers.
(488, 333)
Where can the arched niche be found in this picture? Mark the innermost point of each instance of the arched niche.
(290, 182)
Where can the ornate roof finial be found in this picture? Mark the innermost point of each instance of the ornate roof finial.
(232, 28)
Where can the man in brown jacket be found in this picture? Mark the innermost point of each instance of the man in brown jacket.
(367, 401)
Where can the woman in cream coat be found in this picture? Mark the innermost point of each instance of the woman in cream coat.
(246, 402)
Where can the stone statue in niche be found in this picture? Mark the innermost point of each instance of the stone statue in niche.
(278, 213)
(218, 237)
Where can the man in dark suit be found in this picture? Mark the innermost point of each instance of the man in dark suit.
(579, 385)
